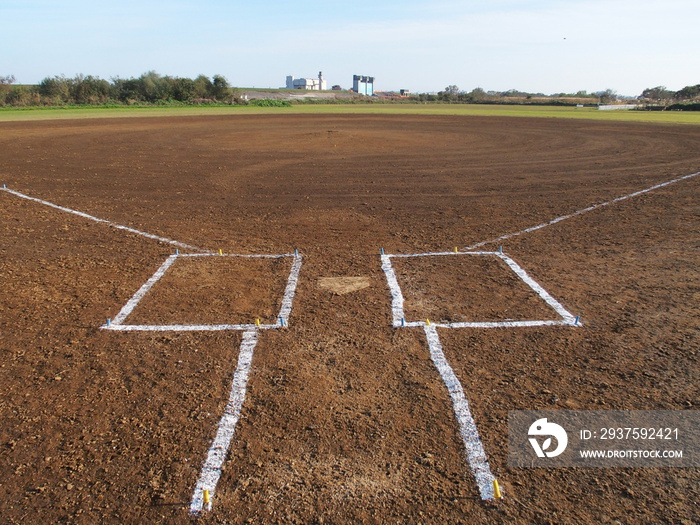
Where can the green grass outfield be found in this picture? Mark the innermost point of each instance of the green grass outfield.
(666, 117)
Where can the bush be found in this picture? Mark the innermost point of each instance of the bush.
(270, 103)
(684, 107)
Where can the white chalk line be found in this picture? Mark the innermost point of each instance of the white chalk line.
(134, 301)
(551, 301)
(211, 470)
(117, 324)
(397, 299)
(580, 212)
(290, 290)
(476, 456)
(395, 290)
(104, 221)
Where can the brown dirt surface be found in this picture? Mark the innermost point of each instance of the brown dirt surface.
(346, 420)
(466, 288)
(213, 290)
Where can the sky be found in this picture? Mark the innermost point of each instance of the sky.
(537, 46)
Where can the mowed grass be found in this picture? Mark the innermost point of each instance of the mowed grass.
(665, 117)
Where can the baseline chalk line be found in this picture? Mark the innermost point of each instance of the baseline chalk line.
(211, 471)
(476, 456)
(580, 212)
(104, 221)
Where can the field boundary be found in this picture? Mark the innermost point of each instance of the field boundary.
(466, 110)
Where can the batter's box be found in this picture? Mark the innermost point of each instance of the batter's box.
(213, 292)
(468, 289)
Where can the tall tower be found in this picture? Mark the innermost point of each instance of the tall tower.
(321, 82)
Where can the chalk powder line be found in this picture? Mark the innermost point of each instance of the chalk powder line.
(104, 221)
(580, 212)
(211, 470)
(476, 456)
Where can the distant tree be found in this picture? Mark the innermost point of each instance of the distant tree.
(55, 89)
(477, 95)
(449, 94)
(203, 87)
(657, 94)
(5, 88)
(88, 90)
(607, 97)
(688, 93)
(219, 88)
(184, 89)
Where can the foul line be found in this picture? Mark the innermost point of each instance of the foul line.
(580, 212)
(104, 221)
(476, 456)
(211, 471)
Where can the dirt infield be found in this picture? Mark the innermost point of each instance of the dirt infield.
(346, 419)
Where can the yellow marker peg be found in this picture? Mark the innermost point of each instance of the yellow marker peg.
(257, 322)
(456, 250)
(220, 252)
(427, 321)
(207, 499)
(496, 490)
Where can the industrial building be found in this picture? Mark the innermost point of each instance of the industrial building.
(307, 83)
(363, 85)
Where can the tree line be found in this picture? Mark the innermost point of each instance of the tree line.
(149, 88)
(153, 88)
(657, 96)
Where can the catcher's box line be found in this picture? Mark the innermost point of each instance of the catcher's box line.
(211, 470)
(108, 223)
(476, 456)
(580, 212)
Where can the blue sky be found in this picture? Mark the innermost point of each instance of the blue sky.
(547, 46)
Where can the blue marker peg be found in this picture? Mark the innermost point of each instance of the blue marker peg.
(403, 321)
(177, 252)
(500, 249)
(296, 253)
(281, 321)
(381, 250)
(109, 322)
(578, 318)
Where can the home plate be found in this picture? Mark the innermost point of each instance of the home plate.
(343, 285)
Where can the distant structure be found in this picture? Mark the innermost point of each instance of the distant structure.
(363, 85)
(317, 84)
